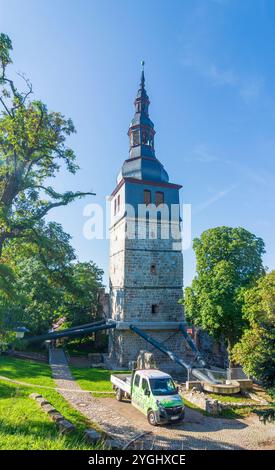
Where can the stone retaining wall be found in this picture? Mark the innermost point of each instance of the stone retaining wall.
(63, 424)
(214, 406)
(91, 435)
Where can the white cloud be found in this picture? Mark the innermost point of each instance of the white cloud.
(249, 88)
(219, 76)
(202, 155)
(219, 195)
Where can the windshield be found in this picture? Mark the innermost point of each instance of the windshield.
(163, 386)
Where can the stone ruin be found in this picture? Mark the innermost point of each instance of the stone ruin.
(146, 360)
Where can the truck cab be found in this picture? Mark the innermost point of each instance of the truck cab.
(154, 394)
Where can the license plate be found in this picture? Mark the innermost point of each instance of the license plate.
(174, 417)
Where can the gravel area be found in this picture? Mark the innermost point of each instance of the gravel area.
(125, 423)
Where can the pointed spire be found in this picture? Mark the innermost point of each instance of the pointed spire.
(141, 131)
(142, 101)
(142, 162)
(142, 78)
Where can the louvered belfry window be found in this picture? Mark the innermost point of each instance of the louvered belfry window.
(147, 197)
(159, 198)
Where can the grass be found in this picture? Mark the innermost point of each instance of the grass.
(94, 379)
(238, 398)
(23, 425)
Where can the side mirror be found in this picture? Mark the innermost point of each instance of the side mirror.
(147, 393)
(177, 388)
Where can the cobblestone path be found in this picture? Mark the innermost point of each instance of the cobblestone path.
(125, 423)
(95, 410)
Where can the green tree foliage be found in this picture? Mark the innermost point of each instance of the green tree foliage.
(32, 150)
(50, 284)
(256, 349)
(6, 280)
(39, 278)
(228, 261)
(81, 299)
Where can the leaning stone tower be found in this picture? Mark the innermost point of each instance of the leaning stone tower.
(146, 264)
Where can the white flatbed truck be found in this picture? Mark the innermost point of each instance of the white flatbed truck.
(152, 392)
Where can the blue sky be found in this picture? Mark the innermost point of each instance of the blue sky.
(210, 68)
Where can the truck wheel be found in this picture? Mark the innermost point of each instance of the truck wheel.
(151, 416)
(119, 394)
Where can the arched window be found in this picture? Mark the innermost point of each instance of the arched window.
(135, 138)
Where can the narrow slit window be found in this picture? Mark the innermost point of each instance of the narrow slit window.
(153, 268)
(115, 203)
(154, 308)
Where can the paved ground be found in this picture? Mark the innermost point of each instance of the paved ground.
(201, 432)
(125, 423)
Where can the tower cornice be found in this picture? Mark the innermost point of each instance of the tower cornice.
(144, 182)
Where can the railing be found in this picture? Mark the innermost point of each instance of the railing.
(221, 375)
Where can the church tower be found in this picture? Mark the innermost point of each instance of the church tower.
(146, 265)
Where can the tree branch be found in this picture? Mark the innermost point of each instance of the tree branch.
(5, 107)
(65, 202)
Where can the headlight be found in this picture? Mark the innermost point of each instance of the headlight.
(160, 406)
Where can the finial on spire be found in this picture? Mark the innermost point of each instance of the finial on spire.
(142, 80)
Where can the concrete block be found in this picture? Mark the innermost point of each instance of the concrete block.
(245, 384)
(56, 416)
(41, 401)
(112, 444)
(92, 436)
(48, 408)
(95, 358)
(34, 396)
(193, 383)
(65, 426)
(97, 365)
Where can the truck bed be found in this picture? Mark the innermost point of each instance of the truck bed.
(122, 381)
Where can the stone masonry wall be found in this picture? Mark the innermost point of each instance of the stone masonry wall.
(138, 304)
(125, 346)
(143, 273)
